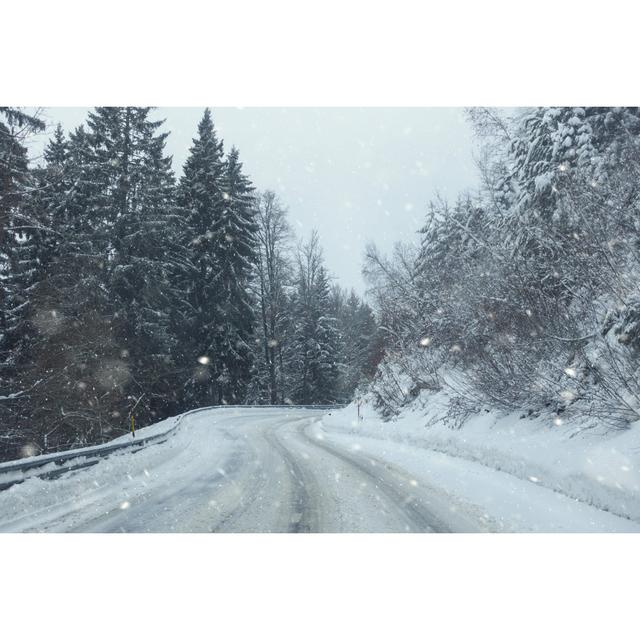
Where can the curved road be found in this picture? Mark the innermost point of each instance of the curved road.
(235, 470)
(290, 470)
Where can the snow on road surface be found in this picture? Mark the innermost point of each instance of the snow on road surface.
(290, 470)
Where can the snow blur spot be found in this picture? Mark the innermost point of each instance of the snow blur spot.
(570, 371)
(336, 476)
(222, 472)
(413, 482)
(557, 421)
(534, 479)
(30, 449)
(146, 473)
(112, 374)
(202, 373)
(425, 342)
(355, 447)
(204, 360)
(319, 435)
(125, 505)
(48, 321)
(613, 468)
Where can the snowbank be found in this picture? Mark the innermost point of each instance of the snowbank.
(598, 467)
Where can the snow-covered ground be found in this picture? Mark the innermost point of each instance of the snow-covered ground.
(300, 470)
(590, 465)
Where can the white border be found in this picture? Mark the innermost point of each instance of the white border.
(330, 53)
(318, 54)
(319, 586)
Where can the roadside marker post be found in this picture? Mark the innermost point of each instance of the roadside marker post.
(133, 427)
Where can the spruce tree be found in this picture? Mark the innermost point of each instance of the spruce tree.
(216, 315)
(104, 301)
(235, 242)
(197, 314)
(135, 199)
(20, 232)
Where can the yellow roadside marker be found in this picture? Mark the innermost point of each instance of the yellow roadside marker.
(133, 427)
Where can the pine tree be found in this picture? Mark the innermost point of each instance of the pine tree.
(235, 243)
(103, 302)
(135, 198)
(20, 229)
(217, 315)
(197, 313)
(19, 244)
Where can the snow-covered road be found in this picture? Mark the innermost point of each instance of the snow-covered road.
(289, 470)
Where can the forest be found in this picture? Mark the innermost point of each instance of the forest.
(127, 291)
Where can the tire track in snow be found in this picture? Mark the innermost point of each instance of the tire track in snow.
(304, 515)
(391, 481)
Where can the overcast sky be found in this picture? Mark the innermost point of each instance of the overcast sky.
(354, 174)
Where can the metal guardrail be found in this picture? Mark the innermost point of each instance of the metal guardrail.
(88, 456)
